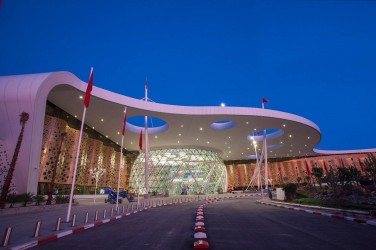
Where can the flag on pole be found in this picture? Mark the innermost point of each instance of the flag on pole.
(361, 165)
(140, 141)
(342, 163)
(89, 88)
(307, 167)
(264, 100)
(325, 168)
(124, 122)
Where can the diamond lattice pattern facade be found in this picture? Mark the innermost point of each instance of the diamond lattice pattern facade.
(174, 171)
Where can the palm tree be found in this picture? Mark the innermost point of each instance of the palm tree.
(24, 117)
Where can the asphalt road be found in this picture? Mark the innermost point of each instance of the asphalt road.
(231, 224)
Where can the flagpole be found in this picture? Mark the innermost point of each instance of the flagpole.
(86, 105)
(146, 144)
(139, 168)
(75, 166)
(266, 151)
(121, 158)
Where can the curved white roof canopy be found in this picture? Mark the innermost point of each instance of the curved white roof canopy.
(190, 126)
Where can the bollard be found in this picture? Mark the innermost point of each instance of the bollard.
(96, 216)
(104, 214)
(132, 207)
(86, 217)
(37, 228)
(112, 212)
(6, 238)
(123, 209)
(58, 222)
(74, 220)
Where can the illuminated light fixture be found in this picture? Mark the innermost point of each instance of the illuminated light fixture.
(201, 129)
(271, 151)
(290, 150)
(102, 120)
(81, 97)
(254, 129)
(75, 116)
(242, 153)
(93, 127)
(308, 137)
(196, 139)
(229, 137)
(281, 142)
(118, 133)
(246, 122)
(106, 136)
(179, 134)
(156, 137)
(208, 142)
(228, 147)
(305, 145)
(178, 141)
(182, 126)
(131, 142)
(247, 148)
(290, 136)
(229, 152)
(284, 125)
(117, 142)
(223, 104)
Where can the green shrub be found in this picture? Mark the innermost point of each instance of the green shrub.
(290, 191)
(25, 198)
(39, 199)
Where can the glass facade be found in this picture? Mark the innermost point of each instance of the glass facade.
(177, 171)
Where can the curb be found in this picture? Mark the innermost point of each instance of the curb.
(335, 216)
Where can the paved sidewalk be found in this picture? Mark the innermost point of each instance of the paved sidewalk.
(350, 215)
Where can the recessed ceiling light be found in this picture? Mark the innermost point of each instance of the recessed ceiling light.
(93, 127)
(75, 116)
(247, 123)
(305, 145)
(81, 97)
(118, 133)
(284, 125)
(207, 142)
(196, 139)
(254, 129)
(248, 148)
(281, 142)
(308, 137)
(102, 120)
(178, 141)
(106, 136)
(179, 134)
(181, 125)
(201, 129)
(229, 137)
(290, 136)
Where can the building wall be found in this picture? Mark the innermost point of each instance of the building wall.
(240, 174)
(60, 151)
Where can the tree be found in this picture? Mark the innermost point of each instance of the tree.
(298, 180)
(318, 173)
(24, 117)
(370, 167)
(54, 170)
(97, 173)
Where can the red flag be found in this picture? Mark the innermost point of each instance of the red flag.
(343, 164)
(89, 88)
(325, 168)
(361, 165)
(307, 167)
(124, 123)
(140, 141)
(264, 100)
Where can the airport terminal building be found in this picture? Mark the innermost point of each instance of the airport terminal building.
(186, 149)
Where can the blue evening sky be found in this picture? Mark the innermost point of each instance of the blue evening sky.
(316, 59)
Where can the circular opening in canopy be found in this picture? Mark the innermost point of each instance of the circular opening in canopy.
(271, 133)
(222, 125)
(155, 125)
